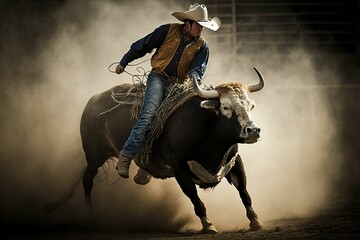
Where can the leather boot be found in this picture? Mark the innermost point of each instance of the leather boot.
(123, 166)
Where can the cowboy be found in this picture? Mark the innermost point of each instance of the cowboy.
(181, 53)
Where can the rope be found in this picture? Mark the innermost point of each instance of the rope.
(136, 77)
(138, 81)
(104, 176)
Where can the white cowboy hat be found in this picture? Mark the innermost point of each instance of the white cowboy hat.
(199, 14)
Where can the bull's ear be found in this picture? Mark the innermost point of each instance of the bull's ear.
(211, 104)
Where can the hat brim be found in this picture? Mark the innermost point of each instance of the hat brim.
(212, 24)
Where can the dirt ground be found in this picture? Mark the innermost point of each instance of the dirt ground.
(339, 219)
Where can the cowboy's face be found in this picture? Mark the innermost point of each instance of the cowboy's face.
(195, 29)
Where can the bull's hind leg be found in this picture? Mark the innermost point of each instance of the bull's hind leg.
(97, 153)
(88, 179)
(237, 177)
(89, 175)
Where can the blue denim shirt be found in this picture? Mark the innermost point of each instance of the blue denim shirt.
(154, 40)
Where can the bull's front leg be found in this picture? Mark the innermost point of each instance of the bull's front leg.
(188, 187)
(237, 177)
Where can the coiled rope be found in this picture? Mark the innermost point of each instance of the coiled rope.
(135, 77)
(138, 81)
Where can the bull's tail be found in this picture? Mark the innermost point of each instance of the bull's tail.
(52, 207)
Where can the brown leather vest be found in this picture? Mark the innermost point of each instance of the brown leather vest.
(166, 52)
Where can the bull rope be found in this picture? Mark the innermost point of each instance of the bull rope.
(138, 81)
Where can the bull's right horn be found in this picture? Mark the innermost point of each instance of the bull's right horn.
(207, 94)
(260, 85)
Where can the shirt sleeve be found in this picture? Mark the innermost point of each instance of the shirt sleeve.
(145, 45)
(199, 63)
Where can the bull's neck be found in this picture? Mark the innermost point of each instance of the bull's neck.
(213, 153)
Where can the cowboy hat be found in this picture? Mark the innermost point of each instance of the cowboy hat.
(199, 14)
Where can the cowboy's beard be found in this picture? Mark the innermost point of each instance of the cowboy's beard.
(193, 32)
(196, 33)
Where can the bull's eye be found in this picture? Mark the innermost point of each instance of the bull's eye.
(226, 110)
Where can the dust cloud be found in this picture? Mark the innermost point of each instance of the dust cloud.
(289, 171)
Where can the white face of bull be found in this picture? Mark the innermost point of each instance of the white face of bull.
(238, 102)
(234, 99)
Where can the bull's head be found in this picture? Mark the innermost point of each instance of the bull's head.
(234, 99)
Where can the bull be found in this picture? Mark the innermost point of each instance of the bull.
(198, 144)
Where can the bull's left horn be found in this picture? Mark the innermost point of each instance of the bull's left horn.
(207, 94)
(260, 85)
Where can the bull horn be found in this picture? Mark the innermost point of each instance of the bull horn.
(260, 85)
(207, 94)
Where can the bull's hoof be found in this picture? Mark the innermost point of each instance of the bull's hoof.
(209, 230)
(256, 225)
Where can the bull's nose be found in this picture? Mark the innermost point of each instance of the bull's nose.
(253, 130)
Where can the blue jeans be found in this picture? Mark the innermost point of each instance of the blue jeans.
(156, 86)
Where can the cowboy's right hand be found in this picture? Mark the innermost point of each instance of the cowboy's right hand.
(119, 69)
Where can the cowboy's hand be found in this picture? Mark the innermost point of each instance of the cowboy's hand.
(119, 69)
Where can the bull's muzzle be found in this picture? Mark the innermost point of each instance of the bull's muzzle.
(250, 133)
